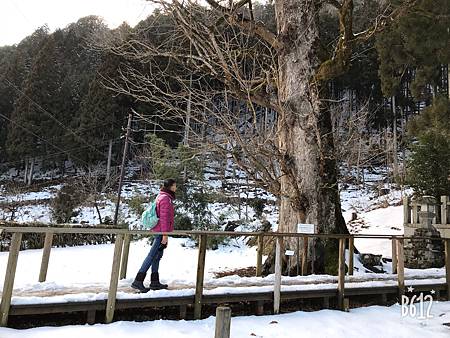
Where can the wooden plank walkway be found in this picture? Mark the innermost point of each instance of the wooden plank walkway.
(160, 302)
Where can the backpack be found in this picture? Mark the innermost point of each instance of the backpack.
(149, 218)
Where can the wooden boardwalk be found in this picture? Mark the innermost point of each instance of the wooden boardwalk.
(336, 290)
(255, 299)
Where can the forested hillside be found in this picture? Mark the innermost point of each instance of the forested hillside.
(56, 109)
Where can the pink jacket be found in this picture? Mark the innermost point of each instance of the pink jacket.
(166, 213)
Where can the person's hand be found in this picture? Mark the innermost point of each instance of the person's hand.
(165, 240)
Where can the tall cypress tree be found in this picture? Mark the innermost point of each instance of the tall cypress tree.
(429, 165)
(418, 41)
(40, 94)
(15, 66)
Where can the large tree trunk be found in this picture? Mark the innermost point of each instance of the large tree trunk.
(309, 191)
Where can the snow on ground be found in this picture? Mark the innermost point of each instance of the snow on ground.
(369, 322)
(383, 221)
(82, 273)
(31, 196)
(91, 264)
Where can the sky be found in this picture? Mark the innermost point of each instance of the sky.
(20, 18)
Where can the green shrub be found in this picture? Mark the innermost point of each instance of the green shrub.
(258, 205)
(136, 204)
(183, 222)
(166, 162)
(64, 204)
(429, 165)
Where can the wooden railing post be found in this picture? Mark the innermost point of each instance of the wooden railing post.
(112, 293)
(223, 322)
(305, 256)
(444, 208)
(447, 266)
(406, 211)
(125, 252)
(400, 267)
(45, 256)
(200, 277)
(394, 255)
(341, 273)
(259, 255)
(277, 285)
(351, 251)
(8, 285)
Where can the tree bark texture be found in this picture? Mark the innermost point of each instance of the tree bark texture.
(309, 191)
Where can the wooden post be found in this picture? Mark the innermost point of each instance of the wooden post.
(351, 251)
(346, 306)
(259, 255)
(90, 317)
(400, 267)
(305, 256)
(415, 218)
(9, 277)
(111, 304)
(437, 296)
(298, 255)
(45, 256)
(223, 322)
(394, 255)
(444, 208)
(125, 252)
(341, 273)
(122, 167)
(183, 311)
(447, 266)
(260, 307)
(277, 285)
(200, 277)
(406, 211)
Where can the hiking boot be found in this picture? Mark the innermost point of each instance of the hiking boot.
(138, 283)
(154, 282)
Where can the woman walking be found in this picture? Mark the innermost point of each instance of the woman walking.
(166, 214)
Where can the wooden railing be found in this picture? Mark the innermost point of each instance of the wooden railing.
(122, 245)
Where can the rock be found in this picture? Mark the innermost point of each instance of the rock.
(266, 226)
(231, 225)
(383, 191)
(370, 259)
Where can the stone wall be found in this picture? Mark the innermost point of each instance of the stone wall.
(424, 253)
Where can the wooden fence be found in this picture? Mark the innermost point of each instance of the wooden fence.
(122, 245)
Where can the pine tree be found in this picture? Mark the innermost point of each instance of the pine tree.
(40, 94)
(6, 97)
(15, 66)
(418, 41)
(429, 165)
